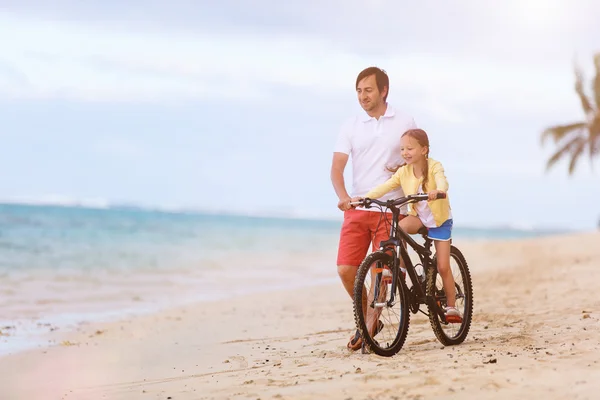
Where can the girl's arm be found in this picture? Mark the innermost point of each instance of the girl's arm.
(440, 177)
(387, 186)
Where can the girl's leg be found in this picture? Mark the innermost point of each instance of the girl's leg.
(442, 250)
(411, 224)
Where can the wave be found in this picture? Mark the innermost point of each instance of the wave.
(58, 200)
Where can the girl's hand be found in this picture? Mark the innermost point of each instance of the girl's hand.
(433, 194)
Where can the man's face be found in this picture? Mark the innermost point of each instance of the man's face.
(369, 96)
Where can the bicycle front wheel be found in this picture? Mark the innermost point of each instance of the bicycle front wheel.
(451, 333)
(381, 319)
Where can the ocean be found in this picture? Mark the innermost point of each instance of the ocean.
(61, 266)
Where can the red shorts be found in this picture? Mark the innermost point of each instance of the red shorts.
(360, 230)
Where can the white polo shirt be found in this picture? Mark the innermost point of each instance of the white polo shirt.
(373, 145)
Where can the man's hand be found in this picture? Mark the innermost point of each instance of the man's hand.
(355, 200)
(344, 203)
(433, 194)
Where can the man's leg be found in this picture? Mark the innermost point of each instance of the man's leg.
(347, 274)
(355, 239)
(379, 227)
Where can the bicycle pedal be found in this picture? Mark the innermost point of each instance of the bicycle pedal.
(453, 319)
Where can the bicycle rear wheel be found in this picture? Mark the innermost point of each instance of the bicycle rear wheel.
(451, 333)
(383, 324)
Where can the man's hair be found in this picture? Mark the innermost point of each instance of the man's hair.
(381, 78)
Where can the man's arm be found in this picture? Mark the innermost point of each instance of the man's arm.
(338, 165)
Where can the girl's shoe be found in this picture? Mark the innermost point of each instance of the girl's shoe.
(453, 316)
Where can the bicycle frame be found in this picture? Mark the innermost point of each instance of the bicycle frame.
(397, 235)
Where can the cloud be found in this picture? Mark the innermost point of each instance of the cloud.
(71, 60)
(508, 30)
(182, 99)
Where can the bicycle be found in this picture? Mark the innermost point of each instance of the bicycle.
(425, 290)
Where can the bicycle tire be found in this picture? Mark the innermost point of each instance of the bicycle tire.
(434, 319)
(359, 317)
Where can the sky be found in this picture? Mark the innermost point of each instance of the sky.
(234, 106)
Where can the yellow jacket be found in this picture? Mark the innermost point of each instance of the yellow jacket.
(405, 177)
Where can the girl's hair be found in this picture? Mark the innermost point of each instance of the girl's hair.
(421, 137)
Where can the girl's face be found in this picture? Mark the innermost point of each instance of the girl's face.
(411, 150)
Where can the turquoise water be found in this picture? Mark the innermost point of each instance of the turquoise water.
(80, 238)
(66, 237)
(62, 266)
(62, 238)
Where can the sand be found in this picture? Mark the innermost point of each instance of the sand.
(535, 332)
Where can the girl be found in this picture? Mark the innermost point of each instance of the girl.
(421, 174)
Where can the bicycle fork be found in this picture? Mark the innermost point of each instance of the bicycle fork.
(385, 276)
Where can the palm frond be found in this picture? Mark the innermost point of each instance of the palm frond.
(596, 86)
(585, 101)
(576, 151)
(558, 132)
(594, 136)
(577, 139)
(565, 150)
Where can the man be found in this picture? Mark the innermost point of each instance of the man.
(373, 141)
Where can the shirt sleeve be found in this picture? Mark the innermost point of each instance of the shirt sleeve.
(343, 143)
(440, 177)
(387, 186)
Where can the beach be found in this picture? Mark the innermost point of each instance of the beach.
(534, 333)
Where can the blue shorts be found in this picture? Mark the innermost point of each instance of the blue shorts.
(442, 232)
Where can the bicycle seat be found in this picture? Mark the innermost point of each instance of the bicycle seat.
(423, 231)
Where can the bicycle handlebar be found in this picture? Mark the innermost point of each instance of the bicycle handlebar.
(366, 202)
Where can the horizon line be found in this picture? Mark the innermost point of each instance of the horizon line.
(102, 204)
